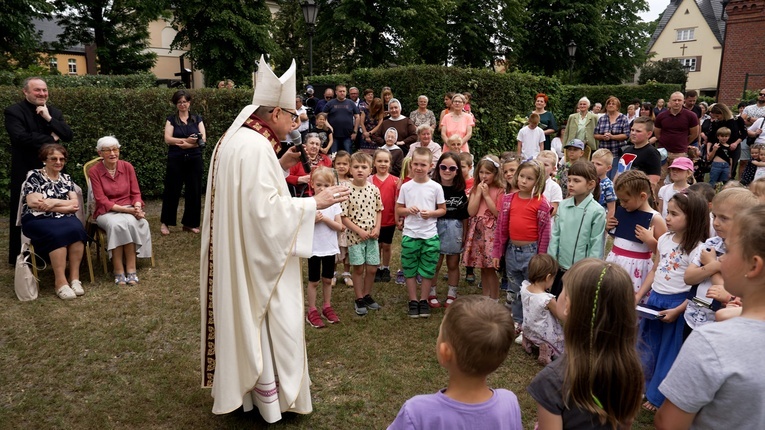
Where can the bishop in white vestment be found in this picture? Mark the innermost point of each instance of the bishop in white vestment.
(253, 235)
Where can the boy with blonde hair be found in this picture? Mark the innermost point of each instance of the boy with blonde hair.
(603, 160)
(362, 216)
(473, 341)
(708, 292)
(421, 201)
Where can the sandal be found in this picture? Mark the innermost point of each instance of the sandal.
(433, 302)
(119, 279)
(164, 230)
(449, 301)
(66, 293)
(650, 407)
(132, 278)
(194, 230)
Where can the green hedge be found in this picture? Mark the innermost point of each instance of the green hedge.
(498, 98)
(142, 80)
(135, 117)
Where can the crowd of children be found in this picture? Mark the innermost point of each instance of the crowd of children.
(568, 300)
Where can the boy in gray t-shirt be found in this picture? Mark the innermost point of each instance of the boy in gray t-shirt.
(718, 376)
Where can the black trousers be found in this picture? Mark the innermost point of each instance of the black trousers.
(186, 170)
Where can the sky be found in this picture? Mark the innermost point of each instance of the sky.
(655, 8)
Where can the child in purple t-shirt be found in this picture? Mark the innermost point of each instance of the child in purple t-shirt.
(471, 324)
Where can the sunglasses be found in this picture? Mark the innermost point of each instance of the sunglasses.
(55, 159)
(762, 94)
(449, 168)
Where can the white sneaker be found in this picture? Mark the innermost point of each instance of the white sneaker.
(519, 339)
(77, 287)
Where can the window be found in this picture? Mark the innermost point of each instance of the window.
(53, 64)
(72, 66)
(689, 63)
(685, 34)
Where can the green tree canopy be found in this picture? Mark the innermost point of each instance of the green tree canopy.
(19, 42)
(224, 38)
(664, 72)
(609, 35)
(118, 28)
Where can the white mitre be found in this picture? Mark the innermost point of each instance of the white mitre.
(269, 91)
(273, 91)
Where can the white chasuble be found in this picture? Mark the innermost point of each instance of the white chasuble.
(253, 235)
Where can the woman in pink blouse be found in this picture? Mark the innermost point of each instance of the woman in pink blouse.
(458, 122)
(119, 211)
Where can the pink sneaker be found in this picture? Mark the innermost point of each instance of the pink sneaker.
(314, 319)
(330, 315)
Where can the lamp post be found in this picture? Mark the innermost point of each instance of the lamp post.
(310, 10)
(572, 57)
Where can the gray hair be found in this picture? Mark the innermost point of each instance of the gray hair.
(585, 99)
(423, 97)
(26, 82)
(107, 142)
(424, 127)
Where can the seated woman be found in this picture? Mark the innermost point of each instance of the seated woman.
(119, 210)
(49, 220)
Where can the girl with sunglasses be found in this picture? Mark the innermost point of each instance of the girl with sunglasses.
(451, 227)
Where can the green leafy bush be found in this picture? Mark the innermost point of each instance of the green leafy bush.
(142, 80)
(135, 116)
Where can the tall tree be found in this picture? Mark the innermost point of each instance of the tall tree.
(483, 30)
(118, 28)
(19, 41)
(608, 34)
(224, 38)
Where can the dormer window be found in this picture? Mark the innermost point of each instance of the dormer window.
(685, 34)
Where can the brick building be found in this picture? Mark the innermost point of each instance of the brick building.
(743, 50)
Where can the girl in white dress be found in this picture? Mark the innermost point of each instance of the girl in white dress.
(634, 253)
(541, 325)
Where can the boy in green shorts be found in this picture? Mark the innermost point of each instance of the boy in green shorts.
(421, 201)
(362, 214)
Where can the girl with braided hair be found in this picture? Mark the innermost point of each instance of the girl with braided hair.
(597, 383)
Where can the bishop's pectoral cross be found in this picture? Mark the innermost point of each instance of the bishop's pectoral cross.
(683, 48)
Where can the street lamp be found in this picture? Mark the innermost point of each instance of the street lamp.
(310, 10)
(572, 57)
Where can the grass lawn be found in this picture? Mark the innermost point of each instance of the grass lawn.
(128, 357)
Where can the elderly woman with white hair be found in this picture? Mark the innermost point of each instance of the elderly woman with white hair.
(581, 125)
(119, 211)
(423, 115)
(425, 140)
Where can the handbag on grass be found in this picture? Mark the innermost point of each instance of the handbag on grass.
(25, 283)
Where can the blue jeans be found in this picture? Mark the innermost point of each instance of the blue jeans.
(343, 143)
(517, 260)
(720, 172)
